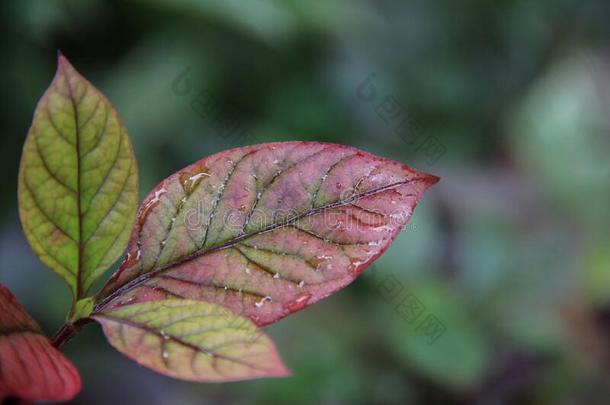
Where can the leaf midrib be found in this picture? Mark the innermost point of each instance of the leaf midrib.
(79, 270)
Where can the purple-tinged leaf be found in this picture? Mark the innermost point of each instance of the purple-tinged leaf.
(265, 230)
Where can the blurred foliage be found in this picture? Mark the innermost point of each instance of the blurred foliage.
(511, 251)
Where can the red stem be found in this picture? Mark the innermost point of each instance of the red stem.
(67, 331)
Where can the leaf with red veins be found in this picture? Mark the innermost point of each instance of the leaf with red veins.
(266, 230)
(30, 368)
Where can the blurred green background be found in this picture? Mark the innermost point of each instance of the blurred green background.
(507, 101)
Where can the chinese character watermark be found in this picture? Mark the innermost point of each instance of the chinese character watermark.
(393, 113)
(407, 306)
(208, 106)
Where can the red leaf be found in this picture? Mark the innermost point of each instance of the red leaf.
(30, 368)
(266, 230)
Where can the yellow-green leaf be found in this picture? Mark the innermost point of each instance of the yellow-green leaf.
(77, 181)
(192, 340)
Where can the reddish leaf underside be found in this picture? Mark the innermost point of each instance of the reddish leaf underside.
(265, 230)
(30, 368)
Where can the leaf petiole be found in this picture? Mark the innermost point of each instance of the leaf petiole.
(67, 332)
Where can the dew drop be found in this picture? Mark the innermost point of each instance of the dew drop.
(354, 267)
(262, 301)
(129, 261)
(127, 301)
(192, 177)
(183, 200)
(318, 261)
(165, 354)
(299, 303)
(248, 270)
(152, 203)
(276, 275)
(301, 284)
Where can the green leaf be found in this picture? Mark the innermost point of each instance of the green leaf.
(77, 181)
(82, 309)
(192, 340)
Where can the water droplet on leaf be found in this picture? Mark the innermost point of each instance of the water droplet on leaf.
(262, 301)
(299, 303)
(152, 203)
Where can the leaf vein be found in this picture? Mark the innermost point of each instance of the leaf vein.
(179, 341)
(221, 192)
(48, 169)
(101, 133)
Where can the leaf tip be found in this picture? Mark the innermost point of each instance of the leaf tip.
(432, 179)
(282, 371)
(277, 368)
(61, 59)
(63, 64)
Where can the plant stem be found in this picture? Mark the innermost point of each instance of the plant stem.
(67, 331)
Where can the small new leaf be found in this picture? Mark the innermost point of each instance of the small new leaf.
(30, 368)
(192, 340)
(77, 181)
(82, 309)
